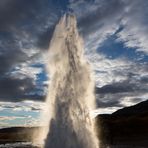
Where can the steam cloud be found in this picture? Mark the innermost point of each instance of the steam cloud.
(71, 92)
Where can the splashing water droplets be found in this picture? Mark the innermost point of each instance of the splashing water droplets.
(71, 94)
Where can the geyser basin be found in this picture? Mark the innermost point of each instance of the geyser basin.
(71, 94)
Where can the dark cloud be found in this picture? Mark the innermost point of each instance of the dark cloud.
(133, 83)
(144, 80)
(28, 18)
(44, 38)
(110, 103)
(14, 88)
(116, 88)
(10, 54)
(27, 25)
(12, 12)
(90, 22)
(17, 90)
(121, 93)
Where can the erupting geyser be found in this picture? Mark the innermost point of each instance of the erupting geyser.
(71, 92)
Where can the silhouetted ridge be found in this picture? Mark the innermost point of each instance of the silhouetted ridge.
(137, 109)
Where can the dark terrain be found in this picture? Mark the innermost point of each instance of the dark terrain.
(125, 128)
(22, 136)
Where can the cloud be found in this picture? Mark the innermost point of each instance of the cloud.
(96, 24)
(104, 18)
(125, 88)
(25, 31)
(121, 77)
(3, 118)
(135, 30)
(115, 88)
(26, 105)
(15, 88)
(24, 113)
(25, 36)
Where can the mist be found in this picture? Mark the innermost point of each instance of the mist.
(71, 92)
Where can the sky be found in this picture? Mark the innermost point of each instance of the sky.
(115, 36)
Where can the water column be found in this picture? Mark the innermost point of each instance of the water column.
(71, 93)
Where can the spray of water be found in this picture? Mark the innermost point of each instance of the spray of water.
(71, 95)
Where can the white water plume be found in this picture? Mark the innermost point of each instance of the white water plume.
(71, 93)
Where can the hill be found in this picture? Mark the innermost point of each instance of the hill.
(22, 135)
(127, 126)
